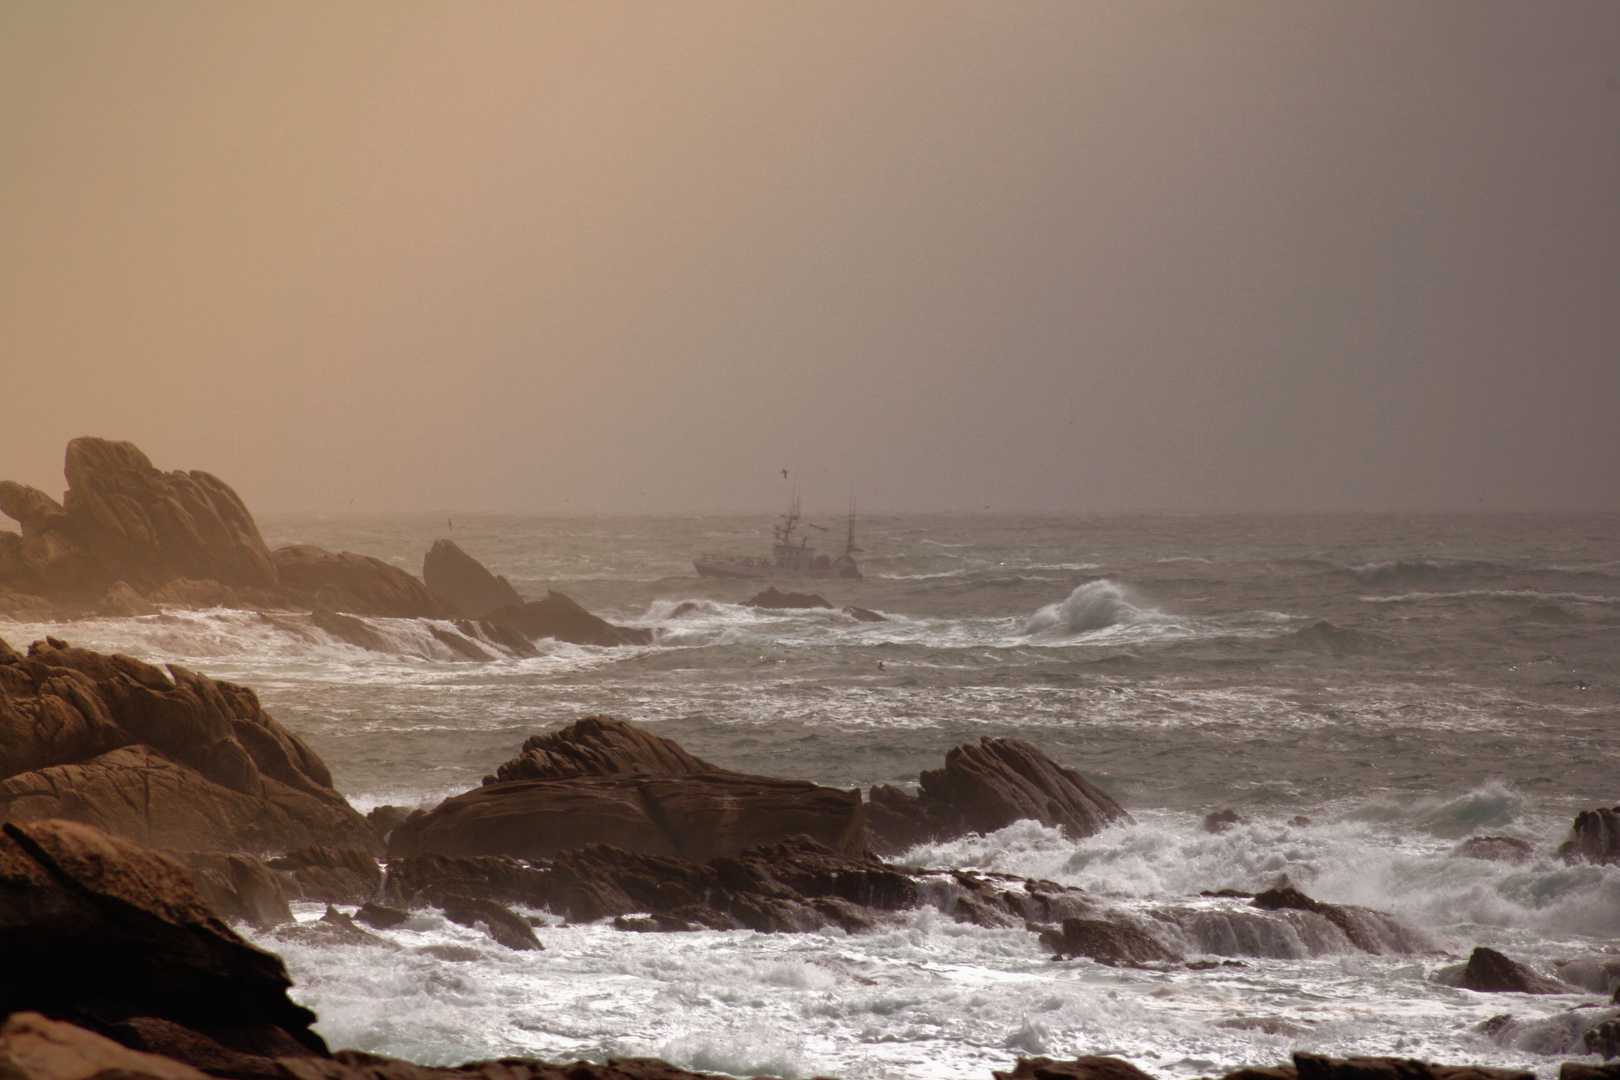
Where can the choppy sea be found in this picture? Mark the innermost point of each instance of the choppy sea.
(1405, 682)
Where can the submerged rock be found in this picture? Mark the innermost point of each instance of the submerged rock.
(1495, 849)
(860, 614)
(1110, 942)
(556, 616)
(772, 598)
(461, 580)
(1222, 820)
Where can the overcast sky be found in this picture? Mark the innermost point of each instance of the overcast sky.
(574, 257)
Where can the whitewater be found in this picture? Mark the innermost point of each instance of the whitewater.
(1367, 692)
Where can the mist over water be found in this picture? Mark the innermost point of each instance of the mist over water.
(1402, 682)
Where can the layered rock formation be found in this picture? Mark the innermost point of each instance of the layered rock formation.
(176, 760)
(462, 581)
(123, 520)
(987, 787)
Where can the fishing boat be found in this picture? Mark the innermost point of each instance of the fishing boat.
(791, 555)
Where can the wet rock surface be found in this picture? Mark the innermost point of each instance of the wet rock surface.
(985, 787)
(1594, 837)
(1495, 849)
(1490, 972)
(557, 616)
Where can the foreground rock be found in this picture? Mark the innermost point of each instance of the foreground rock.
(1594, 837)
(114, 934)
(174, 760)
(556, 616)
(987, 787)
(462, 581)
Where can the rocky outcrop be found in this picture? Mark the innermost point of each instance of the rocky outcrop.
(313, 577)
(695, 816)
(462, 581)
(772, 598)
(127, 537)
(599, 746)
(1594, 837)
(112, 932)
(34, 1047)
(860, 614)
(123, 520)
(174, 760)
(556, 616)
(1489, 972)
(987, 787)
(1109, 942)
(331, 875)
(1089, 1067)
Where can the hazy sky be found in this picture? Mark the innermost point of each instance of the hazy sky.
(570, 257)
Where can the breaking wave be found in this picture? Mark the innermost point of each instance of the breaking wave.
(1092, 606)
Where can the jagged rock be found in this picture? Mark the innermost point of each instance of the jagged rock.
(416, 880)
(461, 580)
(1488, 971)
(332, 928)
(1603, 1039)
(599, 746)
(123, 602)
(33, 1047)
(1110, 942)
(1089, 1067)
(1494, 848)
(696, 816)
(556, 616)
(772, 598)
(1222, 820)
(238, 887)
(987, 787)
(110, 930)
(1341, 916)
(860, 614)
(500, 922)
(354, 584)
(503, 636)
(1594, 837)
(176, 760)
(380, 916)
(123, 520)
(332, 875)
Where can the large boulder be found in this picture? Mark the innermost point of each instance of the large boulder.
(1594, 837)
(557, 616)
(176, 760)
(123, 520)
(697, 816)
(1489, 972)
(461, 580)
(357, 584)
(110, 933)
(987, 787)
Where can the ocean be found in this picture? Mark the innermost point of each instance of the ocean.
(1404, 682)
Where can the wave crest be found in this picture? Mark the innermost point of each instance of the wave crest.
(1092, 606)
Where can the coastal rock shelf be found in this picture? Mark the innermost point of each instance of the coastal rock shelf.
(131, 974)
